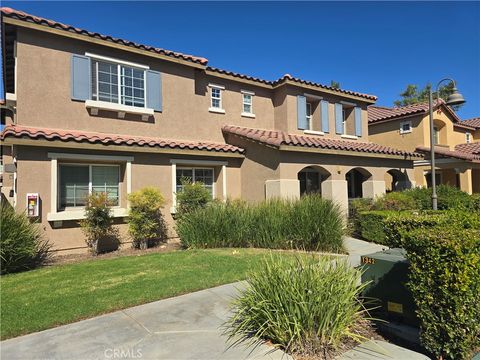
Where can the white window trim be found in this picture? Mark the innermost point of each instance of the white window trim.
(117, 61)
(219, 110)
(468, 137)
(309, 117)
(54, 214)
(351, 137)
(313, 132)
(95, 105)
(199, 164)
(409, 122)
(250, 114)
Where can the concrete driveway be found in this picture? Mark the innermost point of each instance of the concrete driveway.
(184, 327)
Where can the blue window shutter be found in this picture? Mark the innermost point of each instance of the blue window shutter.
(154, 90)
(81, 77)
(339, 119)
(302, 112)
(358, 121)
(325, 117)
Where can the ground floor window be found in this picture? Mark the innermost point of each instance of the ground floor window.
(309, 181)
(77, 181)
(202, 175)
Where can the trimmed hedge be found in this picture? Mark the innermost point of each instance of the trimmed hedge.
(445, 284)
(311, 223)
(388, 227)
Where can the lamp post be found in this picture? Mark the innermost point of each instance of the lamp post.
(455, 98)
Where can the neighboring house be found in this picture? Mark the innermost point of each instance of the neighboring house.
(96, 113)
(457, 142)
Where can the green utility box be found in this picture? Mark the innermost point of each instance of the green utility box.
(387, 272)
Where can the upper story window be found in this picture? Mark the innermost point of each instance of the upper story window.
(436, 135)
(115, 85)
(216, 92)
(405, 127)
(247, 103)
(309, 116)
(348, 120)
(468, 137)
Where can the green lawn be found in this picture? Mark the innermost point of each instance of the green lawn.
(48, 297)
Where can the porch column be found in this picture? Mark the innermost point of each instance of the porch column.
(282, 188)
(466, 181)
(373, 188)
(336, 190)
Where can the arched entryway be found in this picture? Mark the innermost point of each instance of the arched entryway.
(311, 178)
(396, 180)
(355, 179)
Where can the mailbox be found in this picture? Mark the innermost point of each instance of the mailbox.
(33, 205)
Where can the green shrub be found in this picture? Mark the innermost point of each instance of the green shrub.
(22, 244)
(193, 196)
(445, 284)
(476, 202)
(449, 197)
(311, 223)
(146, 224)
(302, 304)
(357, 206)
(394, 201)
(371, 225)
(98, 224)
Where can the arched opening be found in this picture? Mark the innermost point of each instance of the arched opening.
(355, 179)
(396, 180)
(311, 178)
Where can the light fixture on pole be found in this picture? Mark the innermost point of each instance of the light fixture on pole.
(455, 98)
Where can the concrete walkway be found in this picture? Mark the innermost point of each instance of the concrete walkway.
(356, 248)
(184, 327)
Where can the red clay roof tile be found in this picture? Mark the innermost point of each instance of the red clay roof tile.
(278, 138)
(17, 131)
(468, 152)
(474, 122)
(20, 15)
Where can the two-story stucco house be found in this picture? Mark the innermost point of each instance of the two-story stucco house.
(88, 112)
(457, 143)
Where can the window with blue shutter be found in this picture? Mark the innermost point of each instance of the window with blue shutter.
(154, 90)
(358, 121)
(325, 117)
(80, 78)
(339, 119)
(302, 122)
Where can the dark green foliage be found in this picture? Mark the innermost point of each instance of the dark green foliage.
(311, 223)
(449, 197)
(371, 225)
(100, 235)
(193, 196)
(412, 95)
(146, 224)
(396, 201)
(304, 304)
(22, 244)
(445, 283)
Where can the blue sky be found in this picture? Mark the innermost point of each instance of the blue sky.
(372, 47)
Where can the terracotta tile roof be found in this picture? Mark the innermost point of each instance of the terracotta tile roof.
(277, 138)
(20, 15)
(311, 83)
(474, 122)
(468, 152)
(240, 76)
(17, 131)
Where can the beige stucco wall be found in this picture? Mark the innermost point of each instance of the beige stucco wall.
(147, 170)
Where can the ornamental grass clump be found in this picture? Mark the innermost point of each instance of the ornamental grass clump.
(146, 224)
(22, 243)
(311, 223)
(302, 304)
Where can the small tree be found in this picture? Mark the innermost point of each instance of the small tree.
(193, 196)
(98, 223)
(146, 224)
(412, 95)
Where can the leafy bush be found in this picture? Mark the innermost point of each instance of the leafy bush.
(371, 225)
(22, 244)
(98, 224)
(449, 197)
(357, 206)
(193, 196)
(146, 224)
(445, 283)
(395, 201)
(310, 223)
(476, 202)
(304, 304)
